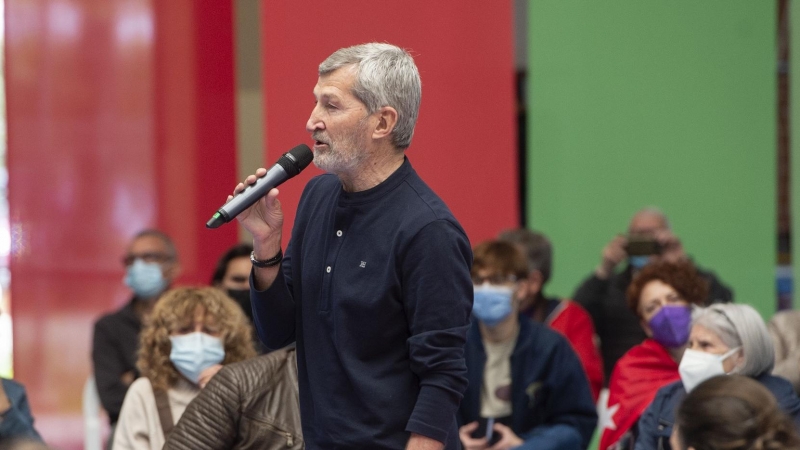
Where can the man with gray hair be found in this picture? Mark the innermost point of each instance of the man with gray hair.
(649, 239)
(375, 287)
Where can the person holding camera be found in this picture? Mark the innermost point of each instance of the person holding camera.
(602, 294)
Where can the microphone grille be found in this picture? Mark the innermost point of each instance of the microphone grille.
(297, 158)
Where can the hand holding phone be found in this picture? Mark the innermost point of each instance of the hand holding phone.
(642, 246)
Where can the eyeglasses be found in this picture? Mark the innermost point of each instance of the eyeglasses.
(146, 257)
(496, 279)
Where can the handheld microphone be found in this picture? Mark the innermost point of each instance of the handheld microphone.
(288, 165)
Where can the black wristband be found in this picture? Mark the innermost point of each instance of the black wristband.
(274, 261)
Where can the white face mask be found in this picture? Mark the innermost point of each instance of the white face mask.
(697, 366)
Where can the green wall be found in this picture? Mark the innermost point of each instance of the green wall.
(662, 103)
(794, 89)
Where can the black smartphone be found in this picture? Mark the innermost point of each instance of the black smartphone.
(642, 246)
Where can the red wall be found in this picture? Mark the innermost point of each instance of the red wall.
(465, 140)
(120, 117)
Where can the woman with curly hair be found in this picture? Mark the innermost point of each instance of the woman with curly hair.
(725, 339)
(732, 413)
(190, 334)
(661, 295)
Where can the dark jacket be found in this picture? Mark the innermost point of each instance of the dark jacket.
(114, 347)
(252, 404)
(551, 402)
(655, 425)
(616, 325)
(375, 288)
(17, 422)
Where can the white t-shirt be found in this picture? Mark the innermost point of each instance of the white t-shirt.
(496, 389)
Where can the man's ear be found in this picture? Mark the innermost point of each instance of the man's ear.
(387, 120)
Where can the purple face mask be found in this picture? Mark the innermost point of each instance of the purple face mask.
(671, 325)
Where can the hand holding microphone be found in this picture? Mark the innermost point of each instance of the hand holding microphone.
(257, 187)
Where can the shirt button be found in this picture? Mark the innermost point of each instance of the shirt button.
(328, 269)
(339, 233)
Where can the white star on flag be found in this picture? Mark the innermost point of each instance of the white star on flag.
(607, 418)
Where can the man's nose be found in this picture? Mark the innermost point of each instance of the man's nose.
(314, 123)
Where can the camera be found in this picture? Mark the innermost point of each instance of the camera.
(642, 246)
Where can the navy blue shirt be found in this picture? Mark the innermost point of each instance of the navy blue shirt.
(375, 289)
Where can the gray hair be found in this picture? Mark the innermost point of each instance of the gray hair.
(537, 248)
(385, 76)
(740, 326)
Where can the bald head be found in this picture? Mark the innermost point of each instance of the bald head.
(647, 221)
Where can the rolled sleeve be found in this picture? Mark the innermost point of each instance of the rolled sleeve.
(438, 303)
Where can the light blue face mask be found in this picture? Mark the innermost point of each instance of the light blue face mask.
(195, 352)
(492, 303)
(145, 279)
(637, 262)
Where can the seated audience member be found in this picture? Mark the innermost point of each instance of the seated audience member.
(732, 413)
(22, 444)
(562, 315)
(785, 330)
(661, 295)
(725, 339)
(151, 264)
(232, 275)
(252, 404)
(190, 333)
(16, 420)
(549, 404)
(649, 239)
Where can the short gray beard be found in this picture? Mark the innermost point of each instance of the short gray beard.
(338, 161)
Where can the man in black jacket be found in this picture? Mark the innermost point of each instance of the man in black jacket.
(649, 239)
(151, 264)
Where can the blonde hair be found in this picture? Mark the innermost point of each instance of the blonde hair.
(176, 309)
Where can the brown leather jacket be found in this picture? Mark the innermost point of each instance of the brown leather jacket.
(252, 404)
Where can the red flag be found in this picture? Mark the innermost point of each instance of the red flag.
(638, 375)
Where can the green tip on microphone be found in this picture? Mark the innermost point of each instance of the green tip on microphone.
(215, 221)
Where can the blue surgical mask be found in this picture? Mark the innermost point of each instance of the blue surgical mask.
(637, 262)
(492, 303)
(193, 353)
(145, 279)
